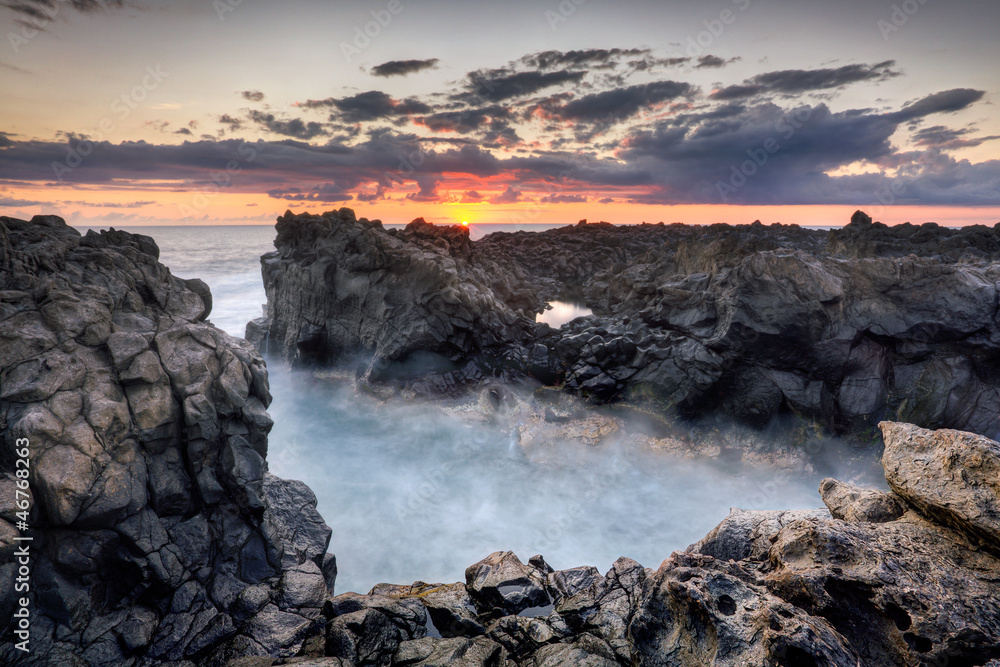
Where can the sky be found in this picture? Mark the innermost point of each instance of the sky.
(147, 112)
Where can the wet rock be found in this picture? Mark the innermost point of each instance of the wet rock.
(948, 475)
(501, 584)
(855, 503)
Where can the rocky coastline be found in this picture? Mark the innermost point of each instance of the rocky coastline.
(838, 329)
(160, 538)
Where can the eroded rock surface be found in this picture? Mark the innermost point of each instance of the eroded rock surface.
(882, 585)
(758, 323)
(159, 535)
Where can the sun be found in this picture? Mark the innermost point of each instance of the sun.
(465, 223)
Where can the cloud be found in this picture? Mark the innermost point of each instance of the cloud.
(368, 106)
(955, 99)
(233, 123)
(765, 154)
(944, 138)
(508, 196)
(11, 202)
(289, 127)
(403, 67)
(590, 58)
(326, 193)
(796, 81)
(502, 85)
(471, 197)
(564, 199)
(184, 130)
(38, 13)
(252, 95)
(5, 140)
(710, 61)
(621, 103)
(131, 204)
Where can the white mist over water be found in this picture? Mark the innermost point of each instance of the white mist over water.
(413, 491)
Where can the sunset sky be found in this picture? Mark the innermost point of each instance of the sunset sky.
(231, 111)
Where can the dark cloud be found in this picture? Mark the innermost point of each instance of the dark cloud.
(508, 196)
(5, 140)
(184, 130)
(590, 58)
(252, 95)
(944, 138)
(233, 123)
(290, 127)
(764, 154)
(621, 103)
(797, 81)
(326, 193)
(403, 67)
(955, 99)
(504, 85)
(711, 61)
(471, 197)
(564, 199)
(368, 106)
(38, 13)
(464, 121)
(428, 189)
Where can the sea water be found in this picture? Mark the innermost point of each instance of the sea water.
(415, 491)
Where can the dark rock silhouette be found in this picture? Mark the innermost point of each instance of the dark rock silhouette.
(843, 328)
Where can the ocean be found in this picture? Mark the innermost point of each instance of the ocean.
(416, 491)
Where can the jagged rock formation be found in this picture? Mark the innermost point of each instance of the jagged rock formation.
(158, 533)
(339, 286)
(843, 328)
(888, 585)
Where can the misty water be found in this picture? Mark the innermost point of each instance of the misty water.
(420, 491)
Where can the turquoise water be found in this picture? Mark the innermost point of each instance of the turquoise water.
(413, 491)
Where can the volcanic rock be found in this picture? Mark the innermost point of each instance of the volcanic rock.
(158, 534)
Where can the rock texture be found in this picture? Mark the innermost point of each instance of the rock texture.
(891, 581)
(886, 583)
(159, 535)
(762, 324)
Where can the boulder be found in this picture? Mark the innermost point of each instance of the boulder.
(949, 476)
